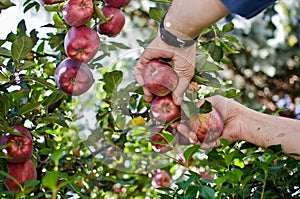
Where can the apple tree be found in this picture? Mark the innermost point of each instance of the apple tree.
(89, 133)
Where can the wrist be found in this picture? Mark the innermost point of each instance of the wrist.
(174, 38)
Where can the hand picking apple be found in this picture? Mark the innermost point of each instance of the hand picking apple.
(115, 23)
(243, 123)
(19, 148)
(73, 77)
(82, 43)
(78, 12)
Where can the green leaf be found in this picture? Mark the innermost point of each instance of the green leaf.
(4, 4)
(156, 14)
(190, 151)
(207, 192)
(210, 67)
(232, 93)
(168, 136)
(206, 107)
(51, 99)
(189, 108)
(120, 45)
(3, 173)
(215, 52)
(228, 27)
(59, 22)
(229, 157)
(21, 47)
(28, 107)
(21, 28)
(56, 155)
(200, 61)
(162, 1)
(5, 52)
(112, 80)
(26, 65)
(31, 183)
(40, 81)
(51, 179)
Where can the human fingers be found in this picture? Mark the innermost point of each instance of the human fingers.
(187, 133)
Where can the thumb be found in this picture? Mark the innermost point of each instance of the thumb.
(177, 94)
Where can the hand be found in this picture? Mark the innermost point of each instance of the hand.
(231, 112)
(184, 65)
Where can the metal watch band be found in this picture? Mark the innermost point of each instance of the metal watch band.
(171, 39)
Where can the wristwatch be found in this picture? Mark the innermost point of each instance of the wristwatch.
(171, 39)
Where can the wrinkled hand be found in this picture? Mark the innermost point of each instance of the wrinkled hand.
(184, 65)
(230, 111)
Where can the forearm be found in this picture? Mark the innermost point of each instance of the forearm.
(265, 130)
(188, 18)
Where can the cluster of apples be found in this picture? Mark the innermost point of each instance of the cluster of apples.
(19, 150)
(81, 43)
(160, 79)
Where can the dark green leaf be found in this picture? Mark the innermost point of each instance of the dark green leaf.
(190, 151)
(215, 52)
(21, 47)
(51, 99)
(28, 107)
(112, 80)
(207, 192)
(192, 191)
(21, 29)
(40, 81)
(31, 183)
(31, 5)
(26, 65)
(206, 107)
(156, 14)
(5, 52)
(4, 4)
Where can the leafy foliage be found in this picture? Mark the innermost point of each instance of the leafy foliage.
(71, 162)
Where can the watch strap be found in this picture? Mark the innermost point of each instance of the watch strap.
(171, 39)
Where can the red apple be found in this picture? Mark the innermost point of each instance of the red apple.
(164, 109)
(19, 147)
(159, 142)
(115, 24)
(161, 179)
(159, 77)
(50, 2)
(73, 77)
(117, 3)
(208, 126)
(22, 172)
(205, 175)
(82, 43)
(78, 12)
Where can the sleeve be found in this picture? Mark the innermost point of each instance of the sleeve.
(247, 8)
